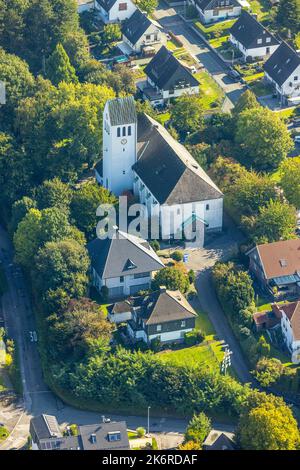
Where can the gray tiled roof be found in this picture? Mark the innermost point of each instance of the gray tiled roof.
(106, 4)
(168, 169)
(101, 433)
(110, 257)
(247, 30)
(45, 426)
(122, 111)
(136, 26)
(282, 63)
(167, 72)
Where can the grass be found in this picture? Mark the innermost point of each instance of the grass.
(260, 88)
(254, 77)
(204, 324)
(209, 90)
(163, 117)
(261, 8)
(215, 30)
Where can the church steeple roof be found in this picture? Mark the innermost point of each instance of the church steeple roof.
(122, 111)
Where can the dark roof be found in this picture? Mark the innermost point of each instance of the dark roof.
(163, 306)
(106, 4)
(110, 257)
(247, 30)
(168, 169)
(96, 436)
(217, 440)
(120, 307)
(122, 111)
(45, 426)
(136, 26)
(212, 4)
(167, 72)
(282, 63)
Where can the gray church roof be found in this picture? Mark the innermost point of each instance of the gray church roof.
(282, 63)
(168, 169)
(121, 255)
(166, 72)
(122, 111)
(136, 26)
(247, 30)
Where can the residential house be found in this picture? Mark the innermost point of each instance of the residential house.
(120, 312)
(46, 435)
(166, 78)
(115, 11)
(289, 315)
(140, 32)
(125, 264)
(252, 39)
(218, 440)
(217, 10)
(282, 70)
(140, 155)
(276, 266)
(165, 315)
(85, 5)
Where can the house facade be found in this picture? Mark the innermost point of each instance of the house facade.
(164, 315)
(140, 155)
(276, 266)
(167, 78)
(114, 11)
(282, 70)
(252, 39)
(140, 32)
(217, 10)
(124, 264)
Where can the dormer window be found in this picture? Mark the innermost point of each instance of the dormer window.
(114, 436)
(283, 263)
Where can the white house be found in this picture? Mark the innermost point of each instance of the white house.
(166, 78)
(283, 71)
(85, 5)
(163, 314)
(252, 39)
(217, 10)
(290, 326)
(114, 11)
(124, 264)
(140, 155)
(140, 32)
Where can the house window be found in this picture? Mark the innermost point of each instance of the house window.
(207, 207)
(158, 328)
(122, 6)
(114, 436)
(124, 131)
(295, 78)
(124, 172)
(129, 130)
(259, 41)
(140, 275)
(183, 324)
(119, 132)
(148, 37)
(121, 279)
(268, 40)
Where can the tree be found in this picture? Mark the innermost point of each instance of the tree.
(111, 33)
(275, 221)
(79, 328)
(173, 278)
(200, 152)
(268, 427)
(288, 15)
(289, 181)
(122, 80)
(187, 114)
(76, 45)
(54, 193)
(85, 202)
(19, 210)
(190, 445)
(59, 68)
(147, 6)
(198, 429)
(62, 264)
(268, 371)
(263, 138)
(246, 101)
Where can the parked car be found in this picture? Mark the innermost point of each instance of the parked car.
(233, 74)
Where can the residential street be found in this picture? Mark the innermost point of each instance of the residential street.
(193, 43)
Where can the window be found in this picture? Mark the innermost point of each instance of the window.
(122, 6)
(121, 278)
(268, 40)
(259, 41)
(295, 78)
(178, 211)
(129, 130)
(158, 328)
(140, 275)
(124, 172)
(124, 131)
(114, 436)
(119, 132)
(207, 207)
(148, 37)
(183, 324)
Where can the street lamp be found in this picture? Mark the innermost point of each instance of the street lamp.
(148, 430)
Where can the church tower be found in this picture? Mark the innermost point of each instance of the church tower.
(119, 144)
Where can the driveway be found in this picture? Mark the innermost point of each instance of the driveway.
(194, 44)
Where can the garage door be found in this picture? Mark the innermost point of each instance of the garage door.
(135, 289)
(115, 291)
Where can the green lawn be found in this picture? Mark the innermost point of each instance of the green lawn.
(204, 324)
(206, 355)
(254, 77)
(210, 91)
(260, 88)
(163, 117)
(261, 8)
(215, 30)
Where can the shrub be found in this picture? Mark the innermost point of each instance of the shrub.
(140, 431)
(177, 256)
(193, 337)
(155, 344)
(191, 276)
(155, 245)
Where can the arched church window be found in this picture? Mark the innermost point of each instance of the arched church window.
(124, 131)
(119, 132)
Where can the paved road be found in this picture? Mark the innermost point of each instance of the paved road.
(38, 398)
(171, 21)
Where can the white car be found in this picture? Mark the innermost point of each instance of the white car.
(297, 139)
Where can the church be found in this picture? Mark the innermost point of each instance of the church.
(140, 156)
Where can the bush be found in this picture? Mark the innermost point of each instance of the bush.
(191, 276)
(155, 245)
(177, 256)
(268, 371)
(193, 337)
(155, 344)
(140, 431)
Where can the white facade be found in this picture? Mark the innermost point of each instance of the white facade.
(290, 88)
(176, 92)
(119, 154)
(123, 285)
(166, 337)
(120, 11)
(218, 14)
(287, 331)
(150, 37)
(257, 52)
(119, 317)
